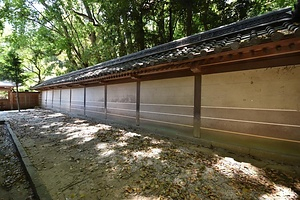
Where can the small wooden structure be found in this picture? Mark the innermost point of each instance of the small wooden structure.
(8, 99)
(5, 97)
(27, 100)
(236, 86)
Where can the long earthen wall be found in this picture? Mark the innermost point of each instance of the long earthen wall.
(253, 111)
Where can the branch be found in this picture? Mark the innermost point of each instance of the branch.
(89, 15)
(93, 12)
(92, 20)
(32, 71)
(58, 53)
(81, 14)
(74, 31)
(33, 80)
(50, 28)
(44, 17)
(76, 37)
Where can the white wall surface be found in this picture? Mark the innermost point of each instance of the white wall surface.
(65, 100)
(49, 95)
(262, 102)
(168, 101)
(121, 100)
(95, 102)
(56, 99)
(43, 100)
(77, 101)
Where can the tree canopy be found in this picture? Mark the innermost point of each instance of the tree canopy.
(57, 36)
(11, 69)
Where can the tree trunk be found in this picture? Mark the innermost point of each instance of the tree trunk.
(161, 27)
(121, 40)
(170, 23)
(205, 19)
(189, 17)
(93, 38)
(38, 73)
(128, 35)
(140, 37)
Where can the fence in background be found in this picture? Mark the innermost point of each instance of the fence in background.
(27, 100)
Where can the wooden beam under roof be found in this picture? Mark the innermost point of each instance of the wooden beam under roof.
(274, 61)
(285, 52)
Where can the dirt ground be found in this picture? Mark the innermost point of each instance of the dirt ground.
(13, 183)
(80, 159)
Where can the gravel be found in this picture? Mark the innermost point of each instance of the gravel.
(81, 159)
(14, 185)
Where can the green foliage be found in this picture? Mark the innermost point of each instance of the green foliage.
(11, 69)
(3, 95)
(57, 36)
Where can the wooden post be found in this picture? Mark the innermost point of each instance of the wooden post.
(84, 101)
(197, 105)
(40, 96)
(11, 99)
(105, 101)
(138, 101)
(70, 99)
(60, 91)
(25, 100)
(46, 102)
(52, 97)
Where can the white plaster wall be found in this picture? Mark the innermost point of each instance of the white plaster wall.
(56, 99)
(65, 100)
(272, 88)
(49, 99)
(262, 102)
(175, 91)
(77, 101)
(95, 102)
(168, 101)
(43, 100)
(121, 100)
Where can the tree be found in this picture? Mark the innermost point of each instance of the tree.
(12, 70)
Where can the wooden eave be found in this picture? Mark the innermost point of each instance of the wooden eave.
(6, 88)
(272, 54)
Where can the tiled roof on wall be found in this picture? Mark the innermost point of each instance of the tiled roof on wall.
(272, 26)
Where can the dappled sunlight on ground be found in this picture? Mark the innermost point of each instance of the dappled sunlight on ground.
(84, 133)
(127, 135)
(151, 153)
(249, 173)
(79, 159)
(107, 153)
(102, 145)
(230, 168)
(121, 144)
(280, 192)
(54, 115)
(139, 197)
